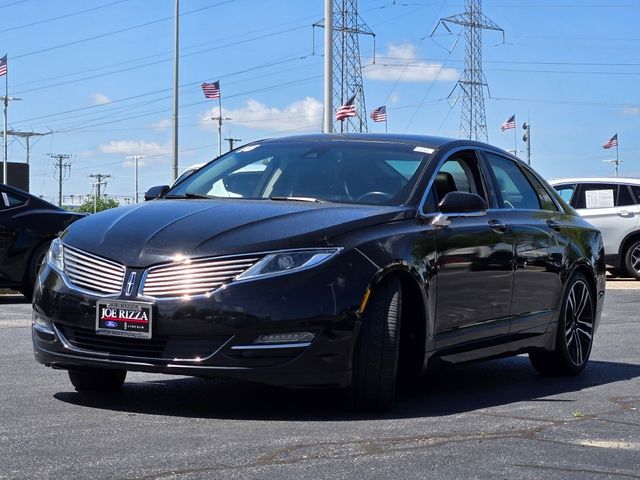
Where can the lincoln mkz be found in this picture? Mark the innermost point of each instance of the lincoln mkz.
(341, 261)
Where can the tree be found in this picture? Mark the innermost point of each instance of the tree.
(97, 204)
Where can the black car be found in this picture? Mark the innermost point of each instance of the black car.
(326, 260)
(27, 226)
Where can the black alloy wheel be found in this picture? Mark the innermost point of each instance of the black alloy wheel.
(97, 379)
(375, 359)
(575, 332)
(632, 260)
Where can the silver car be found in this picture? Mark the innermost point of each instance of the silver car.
(613, 206)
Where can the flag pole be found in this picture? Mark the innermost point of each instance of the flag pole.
(219, 124)
(515, 138)
(617, 158)
(5, 180)
(176, 60)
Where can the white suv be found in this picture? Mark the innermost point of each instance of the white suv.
(613, 206)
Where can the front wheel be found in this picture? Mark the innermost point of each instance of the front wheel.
(632, 260)
(97, 379)
(574, 338)
(375, 359)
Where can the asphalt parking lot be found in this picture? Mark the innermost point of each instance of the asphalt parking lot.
(493, 420)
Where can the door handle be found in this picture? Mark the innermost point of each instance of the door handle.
(554, 225)
(625, 213)
(498, 226)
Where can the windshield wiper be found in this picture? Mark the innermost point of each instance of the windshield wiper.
(298, 199)
(190, 195)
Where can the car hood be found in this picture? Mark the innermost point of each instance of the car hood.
(157, 231)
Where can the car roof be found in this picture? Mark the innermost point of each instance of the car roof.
(429, 141)
(629, 181)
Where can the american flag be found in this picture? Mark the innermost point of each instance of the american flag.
(379, 114)
(613, 142)
(508, 123)
(211, 90)
(347, 110)
(3, 66)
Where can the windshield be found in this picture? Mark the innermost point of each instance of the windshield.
(330, 171)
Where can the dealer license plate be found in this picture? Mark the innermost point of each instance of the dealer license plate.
(123, 318)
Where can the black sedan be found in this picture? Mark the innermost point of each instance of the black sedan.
(326, 260)
(27, 226)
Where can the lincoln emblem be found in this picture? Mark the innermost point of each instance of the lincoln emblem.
(130, 283)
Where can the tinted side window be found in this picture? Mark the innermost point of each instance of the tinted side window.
(566, 191)
(636, 192)
(624, 196)
(8, 200)
(597, 195)
(461, 173)
(545, 199)
(514, 189)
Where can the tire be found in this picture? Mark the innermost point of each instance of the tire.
(574, 337)
(632, 260)
(375, 358)
(97, 379)
(33, 267)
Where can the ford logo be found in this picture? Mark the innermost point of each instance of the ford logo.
(110, 324)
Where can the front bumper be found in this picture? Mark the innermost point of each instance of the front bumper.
(214, 337)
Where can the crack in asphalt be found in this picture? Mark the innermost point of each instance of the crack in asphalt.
(332, 450)
(617, 473)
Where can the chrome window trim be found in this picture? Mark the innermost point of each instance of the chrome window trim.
(271, 346)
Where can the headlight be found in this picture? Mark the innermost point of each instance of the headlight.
(55, 258)
(285, 262)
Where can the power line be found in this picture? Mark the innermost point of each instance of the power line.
(72, 14)
(115, 32)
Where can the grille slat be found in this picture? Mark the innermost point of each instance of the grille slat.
(193, 277)
(91, 272)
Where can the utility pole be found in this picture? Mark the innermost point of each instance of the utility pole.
(327, 123)
(136, 158)
(342, 64)
(231, 141)
(27, 136)
(64, 171)
(97, 183)
(526, 126)
(473, 122)
(176, 57)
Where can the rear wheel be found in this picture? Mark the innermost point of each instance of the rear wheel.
(375, 361)
(97, 379)
(575, 332)
(632, 260)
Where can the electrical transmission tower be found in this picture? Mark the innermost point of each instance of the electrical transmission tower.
(346, 64)
(63, 171)
(473, 122)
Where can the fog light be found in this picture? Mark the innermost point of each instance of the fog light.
(294, 337)
(41, 323)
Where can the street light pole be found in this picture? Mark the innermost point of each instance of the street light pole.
(136, 158)
(5, 101)
(176, 55)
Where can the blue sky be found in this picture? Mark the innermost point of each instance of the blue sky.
(98, 74)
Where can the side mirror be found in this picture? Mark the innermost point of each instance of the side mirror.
(462, 202)
(156, 192)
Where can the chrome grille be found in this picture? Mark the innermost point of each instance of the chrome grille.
(91, 272)
(193, 277)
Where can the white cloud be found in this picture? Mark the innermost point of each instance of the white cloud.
(162, 124)
(100, 99)
(136, 147)
(631, 110)
(400, 63)
(303, 114)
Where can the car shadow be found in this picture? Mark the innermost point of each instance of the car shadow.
(13, 298)
(448, 391)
